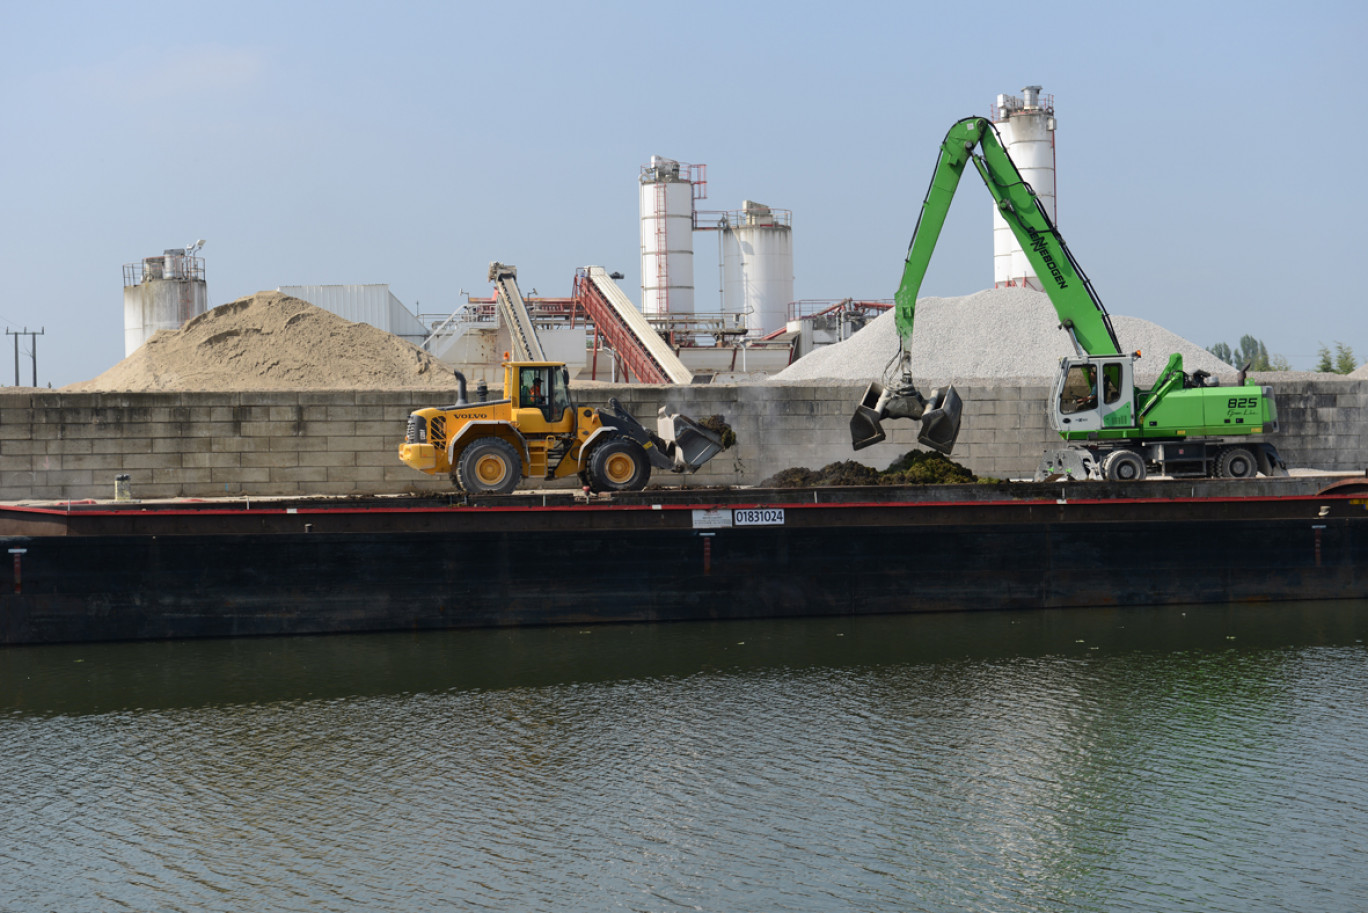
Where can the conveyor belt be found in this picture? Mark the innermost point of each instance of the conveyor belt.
(513, 312)
(640, 349)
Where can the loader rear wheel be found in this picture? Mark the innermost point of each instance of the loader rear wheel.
(1123, 466)
(489, 466)
(619, 465)
(1236, 463)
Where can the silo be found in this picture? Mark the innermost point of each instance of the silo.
(1027, 128)
(162, 293)
(667, 205)
(757, 266)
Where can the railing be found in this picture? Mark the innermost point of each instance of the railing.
(683, 331)
(719, 220)
(166, 266)
(814, 307)
(458, 321)
(1044, 105)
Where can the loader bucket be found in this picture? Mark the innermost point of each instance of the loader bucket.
(941, 421)
(865, 430)
(693, 444)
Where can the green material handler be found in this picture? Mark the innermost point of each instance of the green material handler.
(1183, 425)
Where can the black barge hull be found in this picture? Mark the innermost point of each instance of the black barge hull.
(102, 572)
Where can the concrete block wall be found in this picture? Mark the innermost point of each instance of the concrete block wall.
(1003, 432)
(71, 446)
(1323, 421)
(63, 445)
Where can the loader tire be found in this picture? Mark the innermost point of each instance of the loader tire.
(1236, 463)
(489, 466)
(1123, 466)
(619, 464)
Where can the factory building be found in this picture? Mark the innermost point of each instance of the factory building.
(374, 304)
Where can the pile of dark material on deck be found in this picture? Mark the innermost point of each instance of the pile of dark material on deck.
(916, 467)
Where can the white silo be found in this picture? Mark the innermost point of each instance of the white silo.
(757, 266)
(163, 293)
(667, 206)
(1027, 128)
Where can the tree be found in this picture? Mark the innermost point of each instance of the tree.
(1251, 352)
(1342, 362)
(1345, 363)
(1222, 351)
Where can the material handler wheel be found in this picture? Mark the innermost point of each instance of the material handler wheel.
(1123, 466)
(489, 466)
(619, 465)
(1236, 463)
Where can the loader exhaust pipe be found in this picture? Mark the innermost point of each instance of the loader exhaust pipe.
(939, 414)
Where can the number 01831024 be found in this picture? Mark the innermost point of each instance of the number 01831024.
(758, 516)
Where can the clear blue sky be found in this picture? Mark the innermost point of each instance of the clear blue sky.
(1208, 152)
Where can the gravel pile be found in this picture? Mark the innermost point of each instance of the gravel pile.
(272, 341)
(998, 334)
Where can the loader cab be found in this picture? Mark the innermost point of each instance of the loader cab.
(543, 397)
(1094, 393)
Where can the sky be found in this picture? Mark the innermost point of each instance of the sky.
(1202, 150)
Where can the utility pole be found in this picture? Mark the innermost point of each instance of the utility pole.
(34, 334)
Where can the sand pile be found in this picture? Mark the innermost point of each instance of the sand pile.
(998, 334)
(271, 341)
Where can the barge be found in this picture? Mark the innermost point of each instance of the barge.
(105, 571)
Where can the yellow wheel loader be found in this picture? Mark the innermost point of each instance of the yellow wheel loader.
(536, 432)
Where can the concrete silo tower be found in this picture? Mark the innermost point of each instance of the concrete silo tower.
(163, 293)
(757, 266)
(668, 191)
(1027, 128)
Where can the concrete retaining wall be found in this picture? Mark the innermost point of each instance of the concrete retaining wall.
(64, 445)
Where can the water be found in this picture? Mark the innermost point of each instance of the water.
(1203, 759)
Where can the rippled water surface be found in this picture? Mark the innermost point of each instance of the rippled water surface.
(1204, 759)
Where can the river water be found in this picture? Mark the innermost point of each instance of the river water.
(1201, 758)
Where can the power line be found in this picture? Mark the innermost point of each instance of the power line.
(33, 334)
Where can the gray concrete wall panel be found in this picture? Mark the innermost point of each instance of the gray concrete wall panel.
(59, 445)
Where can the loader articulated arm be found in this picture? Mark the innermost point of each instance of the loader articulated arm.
(1080, 311)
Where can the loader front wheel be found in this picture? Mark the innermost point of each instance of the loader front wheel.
(489, 466)
(619, 465)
